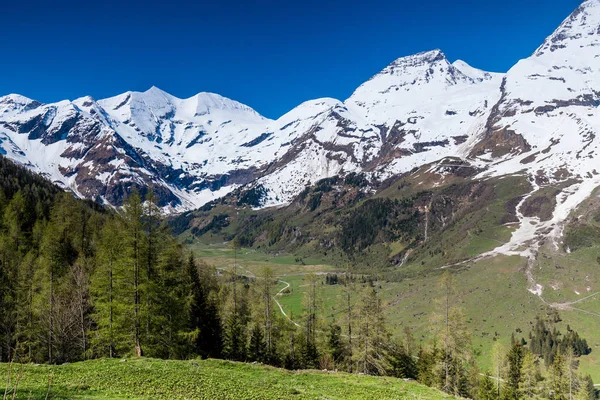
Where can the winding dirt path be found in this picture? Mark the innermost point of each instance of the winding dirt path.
(280, 293)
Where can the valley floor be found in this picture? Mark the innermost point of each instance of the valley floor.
(196, 379)
(481, 283)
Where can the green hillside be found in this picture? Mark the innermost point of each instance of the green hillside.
(197, 379)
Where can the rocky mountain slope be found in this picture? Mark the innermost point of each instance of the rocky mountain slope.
(540, 117)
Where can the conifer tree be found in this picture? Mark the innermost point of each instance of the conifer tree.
(204, 316)
(311, 304)
(529, 377)
(514, 371)
(559, 378)
(337, 346)
(108, 294)
(454, 337)
(169, 326)
(234, 338)
(586, 390)
(402, 362)
(498, 365)
(370, 352)
(257, 347)
(132, 217)
(265, 294)
(487, 388)
(426, 364)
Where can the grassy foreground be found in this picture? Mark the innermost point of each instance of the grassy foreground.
(198, 379)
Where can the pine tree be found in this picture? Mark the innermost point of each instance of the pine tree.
(402, 363)
(586, 390)
(426, 366)
(514, 372)
(13, 244)
(235, 245)
(234, 339)
(81, 302)
(498, 365)
(529, 377)
(132, 217)
(204, 315)
(487, 388)
(257, 347)
(571, 366)
(453, 335)
(559, 378)
(108, 295)
(156, 241)
(311, 304)
(169, 323)
(370, 353)
(349, 314)
(337, 347)
(265, 294)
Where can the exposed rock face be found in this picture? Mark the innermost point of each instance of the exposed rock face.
(541, 116)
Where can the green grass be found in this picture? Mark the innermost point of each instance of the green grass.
(472, 233)
(221, 256)
(493, 293)
(200, 379)
(330, 297)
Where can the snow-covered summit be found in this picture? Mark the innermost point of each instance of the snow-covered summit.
(414, 81)
(580, 30)
(15, 103)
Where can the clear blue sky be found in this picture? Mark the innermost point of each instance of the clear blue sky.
(269, 54)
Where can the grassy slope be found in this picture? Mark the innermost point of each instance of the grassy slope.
(207, 379)
(493, 291)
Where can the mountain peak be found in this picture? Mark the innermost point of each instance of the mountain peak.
(416, 60)
(411, 69)
(17, 102)
(430, 69)
(156, 91)
(581, 29)
(206, 102)
(15, 99)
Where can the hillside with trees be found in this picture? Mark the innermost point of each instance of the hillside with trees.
(82, 282)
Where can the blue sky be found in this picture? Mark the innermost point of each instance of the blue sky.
(269, 54)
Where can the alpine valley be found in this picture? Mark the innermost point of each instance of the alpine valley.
(430, 168)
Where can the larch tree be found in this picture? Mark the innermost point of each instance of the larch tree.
(107, 293)
(454, 338)
(311, 318)
(371, 340)
(498, 365)
(528, 385)
(134, 239)
(266, 280)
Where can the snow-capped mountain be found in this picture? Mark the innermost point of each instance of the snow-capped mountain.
(541, 117)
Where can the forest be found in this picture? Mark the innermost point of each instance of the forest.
(80, 282)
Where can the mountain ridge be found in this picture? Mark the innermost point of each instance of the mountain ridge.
(417, 110)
